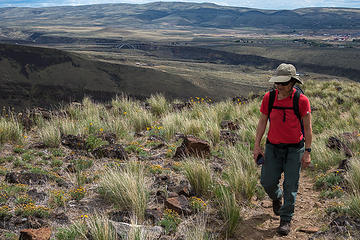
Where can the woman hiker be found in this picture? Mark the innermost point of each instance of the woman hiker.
(288, 143)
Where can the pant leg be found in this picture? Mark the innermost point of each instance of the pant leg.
(271, 172)
(292, 166)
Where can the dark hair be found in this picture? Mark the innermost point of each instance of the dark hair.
(293, 81)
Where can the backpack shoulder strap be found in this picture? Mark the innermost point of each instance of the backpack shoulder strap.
(271, 101)
(296, 104)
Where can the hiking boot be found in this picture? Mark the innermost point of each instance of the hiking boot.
(284, 228)
(276, 206)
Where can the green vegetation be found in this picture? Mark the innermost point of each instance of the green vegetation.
(127, 188)
(10, 130)
(229, 209)
(170, 220)
(217, 186)
(199, 175)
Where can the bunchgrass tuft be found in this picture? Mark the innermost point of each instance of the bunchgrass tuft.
(353, 175)
(127, 188)
(158, 104)
(100, 228)
(229, 209)
(354, 206)
(10, 130)
(241, 174)
(50, 135)
(199, 174)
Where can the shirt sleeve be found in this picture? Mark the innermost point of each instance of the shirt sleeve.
(265, 104)
(304, 105)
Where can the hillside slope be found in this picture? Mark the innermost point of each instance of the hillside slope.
(41, 76)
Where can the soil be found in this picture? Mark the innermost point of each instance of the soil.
(261, 223)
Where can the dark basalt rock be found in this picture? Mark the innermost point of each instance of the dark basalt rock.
(35, 234)
(192, 146)
(73, 142)
(26, 178)
(229, 125)
(335, 143)
(35, 195)
(179, 204)
(229, 136)
(181, 106)
(111, 151)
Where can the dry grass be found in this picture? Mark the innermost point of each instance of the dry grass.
(127, 188)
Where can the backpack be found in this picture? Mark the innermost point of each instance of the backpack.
(295, 106)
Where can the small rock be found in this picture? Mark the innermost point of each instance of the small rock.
(192, 146)
(111, 151)
(155, 214)
(309, 230)
(61, 218)
(35, 195)
(145, 231)
(229, 136)
(26, 178)
(35, 234)
(172, 194)
(73, 142)
(266, 204)
(181, 106)
(179, 204)
(230, 125)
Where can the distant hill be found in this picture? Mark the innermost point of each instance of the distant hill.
(40, 76)
(198, 15)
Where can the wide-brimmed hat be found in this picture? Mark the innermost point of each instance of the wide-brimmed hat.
(284, 72)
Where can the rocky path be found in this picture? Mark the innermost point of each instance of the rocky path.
(261, 223)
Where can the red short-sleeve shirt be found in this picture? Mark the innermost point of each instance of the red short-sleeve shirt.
(288, 131)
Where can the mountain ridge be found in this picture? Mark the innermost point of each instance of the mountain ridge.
(190, 15)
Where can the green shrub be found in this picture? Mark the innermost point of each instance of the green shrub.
(82, 164)
(76, 231)
(57, 198)
(30, 209)
(5, 213)
(328, 181)
(78, 193)
(92, 142)
(170, 221)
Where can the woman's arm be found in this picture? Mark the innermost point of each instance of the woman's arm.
(259, 134)
(306, 159)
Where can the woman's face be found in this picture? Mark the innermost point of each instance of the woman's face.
(284, 87)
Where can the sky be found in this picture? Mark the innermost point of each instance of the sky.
(262, 4)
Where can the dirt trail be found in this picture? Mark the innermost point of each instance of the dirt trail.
(261, 223)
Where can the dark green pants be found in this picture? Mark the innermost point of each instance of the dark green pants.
(278, 160)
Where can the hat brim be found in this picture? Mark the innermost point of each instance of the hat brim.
(275, 79)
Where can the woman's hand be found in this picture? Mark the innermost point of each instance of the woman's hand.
(257, 151)
(306, 160)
